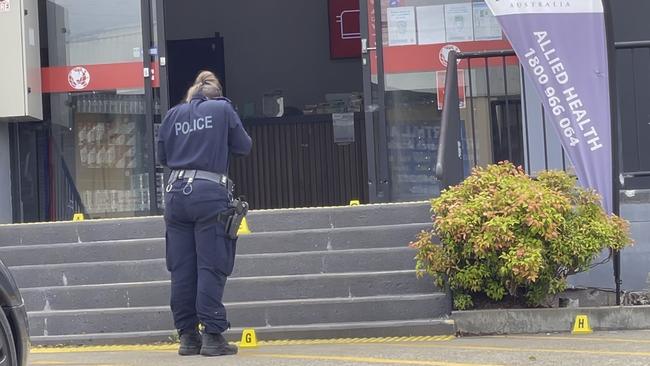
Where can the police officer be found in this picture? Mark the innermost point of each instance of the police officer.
(195, 141)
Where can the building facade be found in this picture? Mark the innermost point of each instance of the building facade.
(342, 98)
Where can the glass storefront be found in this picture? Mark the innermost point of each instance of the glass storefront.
(416, 38)
(99, 131)
(104, 93)
(105, 71)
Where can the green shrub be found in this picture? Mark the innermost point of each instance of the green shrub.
(503, 233)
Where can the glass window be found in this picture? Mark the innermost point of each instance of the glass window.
(83, 32)
(97, 103)
(493, 112)
(417, 38)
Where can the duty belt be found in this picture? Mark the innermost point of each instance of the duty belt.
(191, 175)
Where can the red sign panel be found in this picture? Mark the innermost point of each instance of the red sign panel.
(80, 78)
(345, 29)
(441, 77)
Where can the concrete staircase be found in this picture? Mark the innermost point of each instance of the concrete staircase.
(304, 273)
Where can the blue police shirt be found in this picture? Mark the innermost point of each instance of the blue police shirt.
(201, 135)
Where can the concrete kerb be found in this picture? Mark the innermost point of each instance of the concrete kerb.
(552, 320)
(331, 333)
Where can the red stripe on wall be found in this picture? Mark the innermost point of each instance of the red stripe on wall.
(127, 75)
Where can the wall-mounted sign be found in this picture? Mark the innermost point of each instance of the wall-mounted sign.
(345, 29)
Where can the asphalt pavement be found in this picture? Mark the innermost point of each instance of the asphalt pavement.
(628, 348)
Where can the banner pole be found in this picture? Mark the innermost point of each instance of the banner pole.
(613, 101)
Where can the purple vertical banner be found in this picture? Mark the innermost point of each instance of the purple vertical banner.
(562, 46)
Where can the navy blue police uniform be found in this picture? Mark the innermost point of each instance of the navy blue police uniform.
(195, 141)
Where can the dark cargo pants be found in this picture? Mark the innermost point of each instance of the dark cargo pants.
(199, 255)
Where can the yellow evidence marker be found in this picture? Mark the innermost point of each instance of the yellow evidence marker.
(248, 339)
(581, 325)
(78, 217)
(355, 203)
(243, 228)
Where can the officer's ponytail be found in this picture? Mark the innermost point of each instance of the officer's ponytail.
(206, 84)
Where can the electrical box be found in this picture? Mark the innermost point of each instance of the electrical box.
(20, 64)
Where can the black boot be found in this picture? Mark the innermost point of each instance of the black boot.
(216, 345)
(190, 343)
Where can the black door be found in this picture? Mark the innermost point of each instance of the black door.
(186, 58)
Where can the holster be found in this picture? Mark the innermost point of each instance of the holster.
(233, 217)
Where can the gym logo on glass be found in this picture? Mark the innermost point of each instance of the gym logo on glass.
(79, 78)
(5, 6)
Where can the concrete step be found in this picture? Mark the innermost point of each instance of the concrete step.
(247, 265)
(340, 217)
(391, 328)
(256, 243)
(635, 260)
(242, 289)
(100, 251)
(303, 273)
(245, 314)
(259, 221)
(82, 231)
(636, 212)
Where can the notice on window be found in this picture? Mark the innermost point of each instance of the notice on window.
(486, 26)
(343, 124)
(401, 26)
(5, 6)
(459, 22)
(431, 24)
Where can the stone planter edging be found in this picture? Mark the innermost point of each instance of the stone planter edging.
(552, 320)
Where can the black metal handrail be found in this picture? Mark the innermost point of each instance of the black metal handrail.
(632, 44)
(485, 54)
(451, 111)
(76, 204)
(71, 201)
(640, 174)
(449, 163)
